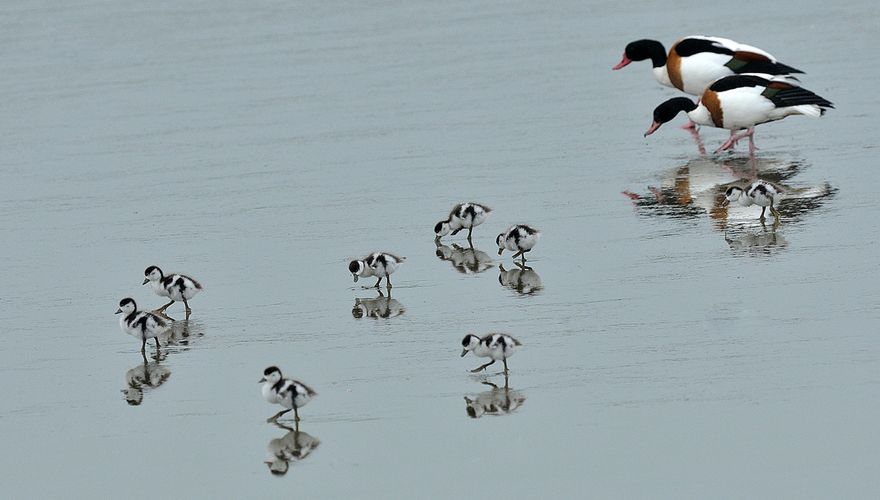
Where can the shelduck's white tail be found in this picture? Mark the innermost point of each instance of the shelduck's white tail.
(810, 110)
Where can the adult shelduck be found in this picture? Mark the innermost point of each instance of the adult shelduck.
(694, 62)
(742, 101)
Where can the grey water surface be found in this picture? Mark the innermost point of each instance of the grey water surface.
(672, 347)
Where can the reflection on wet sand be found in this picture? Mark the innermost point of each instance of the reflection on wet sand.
(292, 447)
(147, 376)
(763, 240)
(497, 401)
(142, 378)
(378, 307)
(466, 260)
(522, 279)
(697, 188)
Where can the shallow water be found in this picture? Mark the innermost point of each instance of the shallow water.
(672, 348)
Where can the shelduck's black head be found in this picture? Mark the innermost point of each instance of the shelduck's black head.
(356, 267)
(732, 194)
(442, 229)
(126, 306)
(469, 342)
(640, 50)
(271, 374)
(152, 273)
(668, 110)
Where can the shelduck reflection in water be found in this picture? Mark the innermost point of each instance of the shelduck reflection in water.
(496, 402)
(522, 279)
(290, 448)
(466, 260)
(378, 307)
(144, 377)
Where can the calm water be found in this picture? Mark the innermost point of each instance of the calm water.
(673, 348)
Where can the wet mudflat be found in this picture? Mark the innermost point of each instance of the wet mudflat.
(672, 347)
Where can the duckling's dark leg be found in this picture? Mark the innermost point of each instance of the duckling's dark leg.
(470, 231)
(482, 367)
(517, 254)
(157, 342)
(388, 282)
(188, 310)
(774, 211)
(162, 309)
(762, 218)
(295, 414)
(144, 345)
(524, 256)
(505, 367)
(275, 417)
(377, 283)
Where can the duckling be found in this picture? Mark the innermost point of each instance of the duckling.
(463, 216)
(495, 345)
(177, 287)
(288, 393)
(519, 238)
(761, 193)
(141, 324)
(378, 264)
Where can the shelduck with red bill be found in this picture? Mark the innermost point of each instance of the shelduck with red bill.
(740, 102)
(694, 62)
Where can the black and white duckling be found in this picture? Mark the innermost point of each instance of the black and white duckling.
(495, 346)
(378, 264)
(290, 448)
(519, 238)
(761, 193)
(288, 393)
(177, 287)
(141, 324)
(463, 216)
(498, 401)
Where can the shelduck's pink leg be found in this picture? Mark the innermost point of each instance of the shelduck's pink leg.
(752, 147)
(695, 133)
(734, 138)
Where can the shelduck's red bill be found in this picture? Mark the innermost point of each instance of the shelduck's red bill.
(653, 128)
(623, 62)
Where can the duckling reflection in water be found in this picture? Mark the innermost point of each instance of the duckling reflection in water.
(143, 377)
(749, 242)
(523, 280)
(289, 448)
(498, 401)
(465, 260)
(379, 307)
